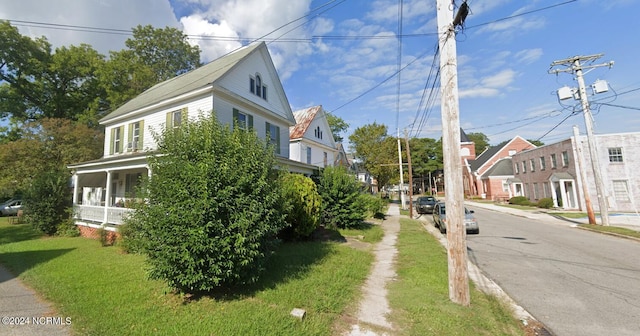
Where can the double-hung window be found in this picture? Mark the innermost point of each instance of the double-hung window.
(242, 120)
(554, 161)
(176, 118)
(136, 130)
(565, 159)
(543, 164)
(615, 154)
(273, 136)
(308, 155)
(116, 144)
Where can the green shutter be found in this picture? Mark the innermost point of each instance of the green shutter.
(130, 134)
(268, 131)
(185, 115)
(169, 123)
(141, 134)
(250, 121)
(113, 134)
(121, 139)
(235, 118)
(278, 139)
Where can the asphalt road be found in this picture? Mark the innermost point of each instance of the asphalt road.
(574, 281)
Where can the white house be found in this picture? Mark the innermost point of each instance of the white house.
(242, 88)
(311, 140)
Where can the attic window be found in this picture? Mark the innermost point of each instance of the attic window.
(256, 87)
(318, 132)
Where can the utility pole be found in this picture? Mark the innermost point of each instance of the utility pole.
(454, 198)
(406, 140)
(401, 184)
(583, 179)
(573, 65)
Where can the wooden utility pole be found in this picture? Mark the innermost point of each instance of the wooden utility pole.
(454, 198)
(406, 140)
(583, 180)
(574, 66)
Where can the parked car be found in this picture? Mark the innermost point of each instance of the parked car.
(440, 219)
(425, 204)
(10, 207)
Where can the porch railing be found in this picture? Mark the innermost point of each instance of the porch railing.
(96, 213)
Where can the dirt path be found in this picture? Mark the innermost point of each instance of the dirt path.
(374, 308)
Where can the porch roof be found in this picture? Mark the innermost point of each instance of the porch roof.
(112, 162)
(555, 177)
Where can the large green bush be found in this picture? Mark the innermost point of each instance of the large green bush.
(545, 203)
(519, 200)
(47, 201)
(374, 205)
(342, 206)
(301, 193)
(214, 207)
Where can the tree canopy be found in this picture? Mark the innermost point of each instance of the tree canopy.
(375, 151)
(337, 125)
(480, 141)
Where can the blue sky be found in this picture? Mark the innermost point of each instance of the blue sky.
(336, 51)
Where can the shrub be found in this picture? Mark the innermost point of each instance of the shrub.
(68, 229)
(342, 206)
(545, 203)
(301, 193)
(519, 200)
(47, 201)
(374, 205)
(214, 207)
(130, 237)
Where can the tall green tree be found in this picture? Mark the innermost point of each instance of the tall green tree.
(426, 155)
(153, 55)
(376, 151)
(480, 140)
(337, 125)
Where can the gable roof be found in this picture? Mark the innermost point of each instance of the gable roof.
(190, 81)
(303, 121)
(503, 167)
(490, 152)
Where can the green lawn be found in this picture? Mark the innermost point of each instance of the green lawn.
(419, 297)
(106, 292)
(612, 229)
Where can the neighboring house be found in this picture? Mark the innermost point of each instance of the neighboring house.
(242, 88)
(311, 140)
(474, 169)
(555, 171)
(342, 160)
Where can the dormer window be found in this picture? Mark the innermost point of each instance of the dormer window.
(256, 87)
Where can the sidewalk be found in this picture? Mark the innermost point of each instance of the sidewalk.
(628, 221)
(23, 313)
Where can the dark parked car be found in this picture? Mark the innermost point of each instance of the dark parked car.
(10, 207)
(425, 204)
(440, 219)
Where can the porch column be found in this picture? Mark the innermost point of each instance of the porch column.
(107, 198)
(553, 194)
(74, 178)
(576, 202)
(563, 192)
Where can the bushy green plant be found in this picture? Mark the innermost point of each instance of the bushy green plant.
(519, 200)
(342, 206)
(47, 200)
(301, 193)
(68, 228)
(545, 203)
(374, 205)
(130, 239)
(214, 207)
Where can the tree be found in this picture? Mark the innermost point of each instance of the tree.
(337, 125)
(40, 84)
(376, 151)
(46, 145)
(214, 206)
(153, 56)
(537, 143)
(480, 141)
(342, 206)
(47, 200)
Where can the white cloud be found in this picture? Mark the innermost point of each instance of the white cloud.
(212, 47)
(528, 56)
(499, 80)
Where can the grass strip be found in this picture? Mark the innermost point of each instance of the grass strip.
(611, 229)
(106, 292)
(420, 297)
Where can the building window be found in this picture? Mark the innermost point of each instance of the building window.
(512, 152)
(176, 118)
(318, 132)
(565, 159)
(135, 136)
(543, 164)
(516, 168)
(554, 162)
(535, 191)
(242, 120)
(273, 136)
(308, 155)
(505, 186)
(621, 190)
(256, 87)
(615, 154)
(325, 159)
(533, 165)
(116, 140)
(524, 167)
(132, 182)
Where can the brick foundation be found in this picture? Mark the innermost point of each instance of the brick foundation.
(90, 232)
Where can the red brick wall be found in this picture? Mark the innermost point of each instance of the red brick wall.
(89, 232)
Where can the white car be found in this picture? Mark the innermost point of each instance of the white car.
(10, 207)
